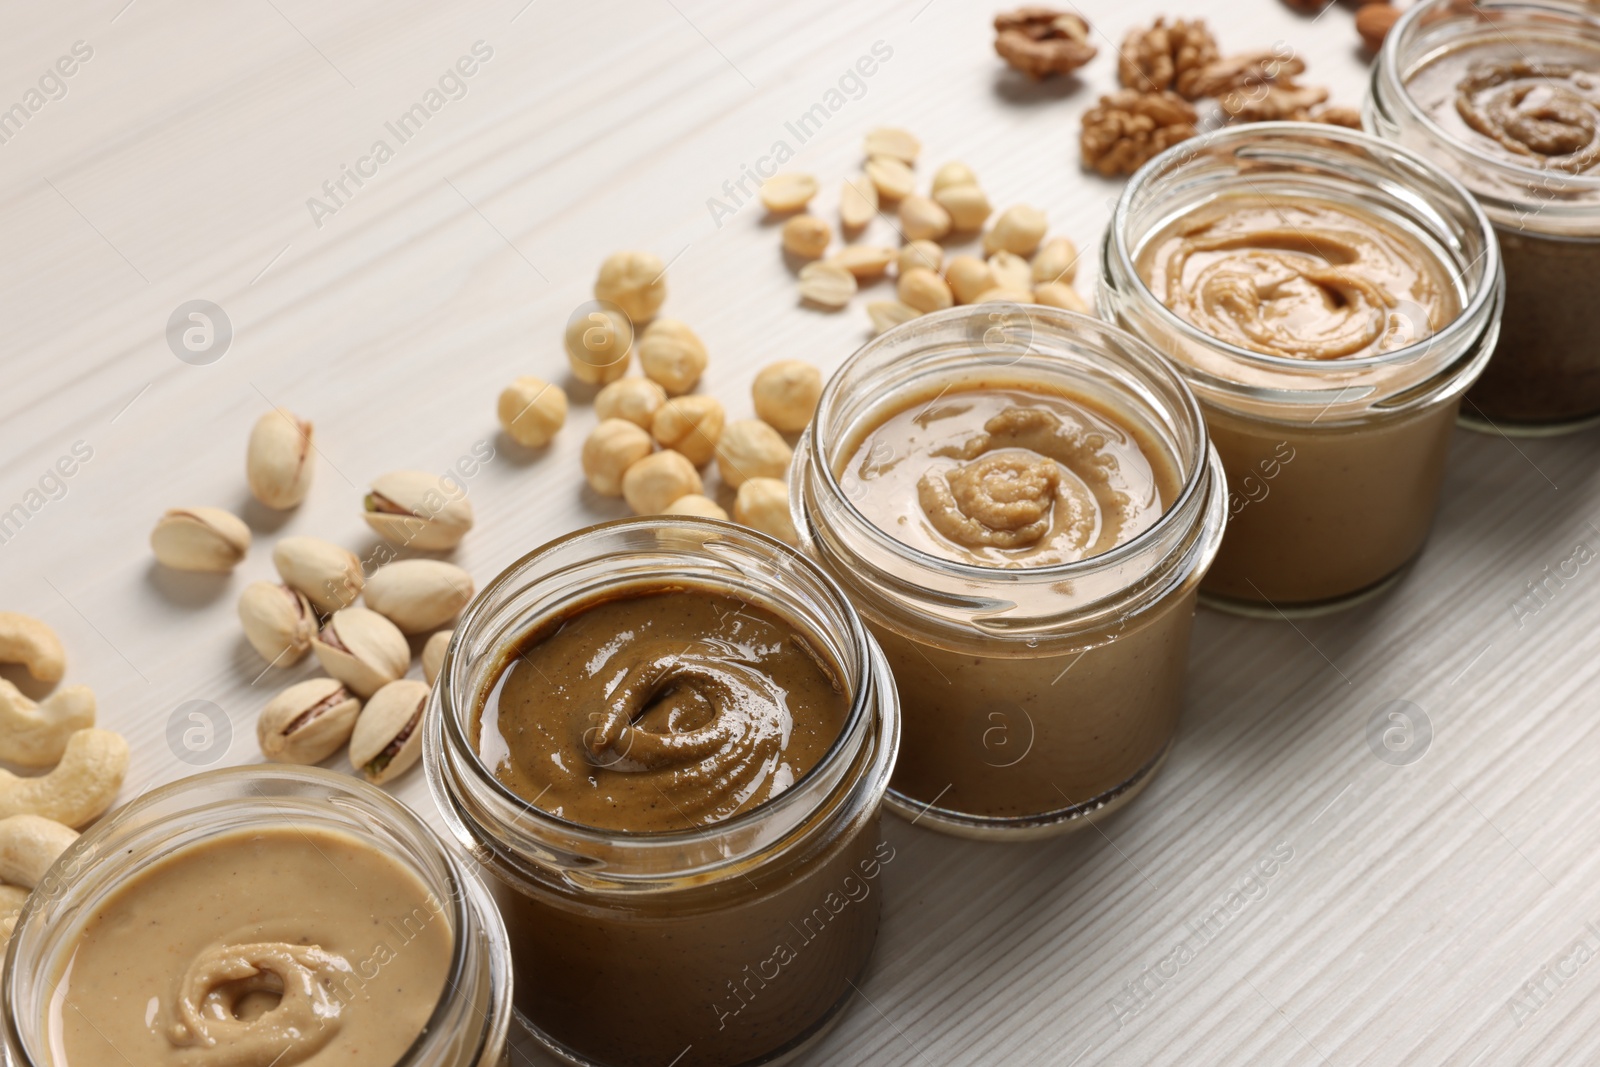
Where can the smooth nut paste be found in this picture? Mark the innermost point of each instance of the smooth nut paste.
(661, 710)
(297, 945)
(1299, 277)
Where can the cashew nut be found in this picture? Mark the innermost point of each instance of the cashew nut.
(26, 640)
(29, 844)
(35, 735)
(81, 787)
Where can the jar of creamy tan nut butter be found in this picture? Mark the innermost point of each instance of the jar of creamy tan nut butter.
(1329, 297)
(668, 739)
(1505, 96)
(1021, 503)
(259, 916)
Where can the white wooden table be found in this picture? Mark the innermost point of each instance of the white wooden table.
(1408, 905)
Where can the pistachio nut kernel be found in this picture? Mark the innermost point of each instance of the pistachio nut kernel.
(278, 459)
(278, 621)
(328, 574)
(307, 722)
(200, 539)
(415, 509)
(362, 649)
(418, 595)
(433, 655)
(388, 735)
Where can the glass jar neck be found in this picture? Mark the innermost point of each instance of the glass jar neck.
(521, 841)
(1006, 345)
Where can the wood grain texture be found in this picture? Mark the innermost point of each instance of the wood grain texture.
(1410, 904)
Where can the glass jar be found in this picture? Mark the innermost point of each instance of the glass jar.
(1036, 697)
(469, 1024)
(733, 943)
(1545, 374)
(1334, 465)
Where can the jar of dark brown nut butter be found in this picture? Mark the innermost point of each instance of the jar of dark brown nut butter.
(257, 916)
(1505, 96)
(1329, 297)
(668, 739)
(1021, 502)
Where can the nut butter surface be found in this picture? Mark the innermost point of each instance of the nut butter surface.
(667, 709)
(290, 946)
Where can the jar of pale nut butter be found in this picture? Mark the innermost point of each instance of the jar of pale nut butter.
(1329, 297)
(667, 739)
(1505, 96)
(1021, 502)
(256, 916)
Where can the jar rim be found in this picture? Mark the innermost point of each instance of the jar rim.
(1148, 361)
(482, 607)
(1388, 66)
(1289, 133)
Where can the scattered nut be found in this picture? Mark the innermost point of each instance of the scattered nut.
(634, 281)
(924, 290)
(858, 202)
(785, 394)
(788, 192)
(893, 178)
(328, 574)
(924, 253)
(953, 173)
(388, 735)
(278, 622)
(1246, 71)
(1061, 295)
(612, 447)
(1005, 296)
(277, 461)
(968, 277)
(598, 346)
(32, 643)
(672, 356)
(29, 845)
(806, 236)
(412, 508)
(79, 789)
(1337, 115)
(1056, 261)
(749, 448)
(690, 425)
(1011, 272)
(362, 649)
(634, 399)
(1019, 229)
(967, 206)
(200, 539)
(763, 504)
(827, 285)
(307, 722)
(651, 485)
(433, 655)
(1166, 56)
(35, 735)
(893, 143)
(1040, 42)
(921, 218)
(887, 314)
(1373, 23)
(864, 261)
(418, 595)
(699, 505)
(1125, 129)
(531, 410)
(1273, 103)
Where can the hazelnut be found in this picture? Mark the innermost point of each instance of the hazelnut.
(691, 425)
(697, 504)
(634, 399)
(672, 356)
(531, 410)
(763, 504)
(634, 281)
(611, 448)
(786, 393)
(657, 481)
(749, 448)
(598, 346)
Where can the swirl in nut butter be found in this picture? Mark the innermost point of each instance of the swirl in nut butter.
(1541, 114)
(666, 709)
(1299, 277)
(1006, 476)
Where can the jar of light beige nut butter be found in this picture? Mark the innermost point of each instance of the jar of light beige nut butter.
(1505, 96)
(1329, 297)
(1021, 503)
(256, 916)
(667, 740)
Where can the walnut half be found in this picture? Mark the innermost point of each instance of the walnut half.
(1166, 56)
(1128, 127)
(1040, 41)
